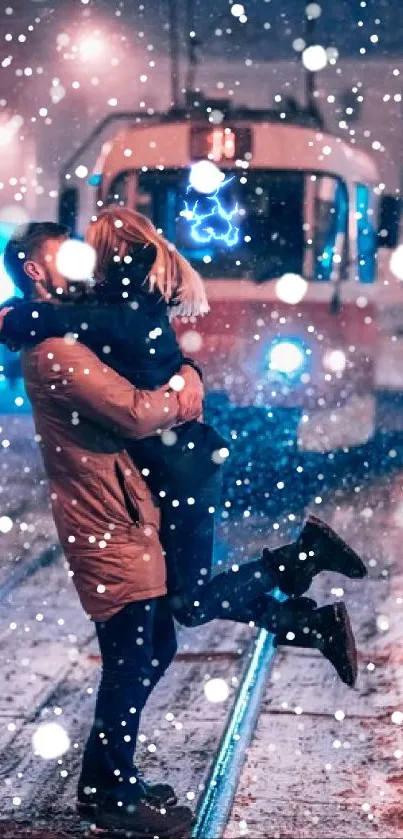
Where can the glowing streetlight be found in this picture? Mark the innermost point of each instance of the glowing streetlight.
(90, 47)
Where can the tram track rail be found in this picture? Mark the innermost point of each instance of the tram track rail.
(214, 806)
(215, 803)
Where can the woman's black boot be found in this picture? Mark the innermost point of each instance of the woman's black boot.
(326, 629)
(318, 548)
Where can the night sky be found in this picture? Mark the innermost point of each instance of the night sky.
(136, 27)
(339, 24)
(39, 38)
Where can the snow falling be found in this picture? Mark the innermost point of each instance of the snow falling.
(50, 741)
(271, 160)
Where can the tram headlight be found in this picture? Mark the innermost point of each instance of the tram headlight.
(287, 357)
(335, 361)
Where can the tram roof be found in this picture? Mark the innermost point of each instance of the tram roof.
(275, 144)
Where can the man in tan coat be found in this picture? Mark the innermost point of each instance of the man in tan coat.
(108, 525)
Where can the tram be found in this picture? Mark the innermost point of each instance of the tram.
(281, 219)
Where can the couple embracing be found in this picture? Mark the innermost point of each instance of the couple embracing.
(134, 484)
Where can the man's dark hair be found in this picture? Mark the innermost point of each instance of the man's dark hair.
(24, 244)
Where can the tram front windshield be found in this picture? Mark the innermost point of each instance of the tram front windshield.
(259, 225)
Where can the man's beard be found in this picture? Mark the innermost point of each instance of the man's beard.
(75, 292)
(78, 291)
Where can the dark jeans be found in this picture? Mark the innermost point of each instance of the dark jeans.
(196, 595)
(137, 645)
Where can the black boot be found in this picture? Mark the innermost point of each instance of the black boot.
(327, 629)
(162, 793)
(280, 615)
(88, 798)
(144, 820)
(318, 548)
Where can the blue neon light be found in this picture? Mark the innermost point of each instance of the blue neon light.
(203, 227)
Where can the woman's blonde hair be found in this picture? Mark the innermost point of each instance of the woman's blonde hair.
(116, 229)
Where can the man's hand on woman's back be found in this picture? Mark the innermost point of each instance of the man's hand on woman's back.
(190, 394)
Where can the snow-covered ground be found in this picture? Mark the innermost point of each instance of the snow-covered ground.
(308, 772)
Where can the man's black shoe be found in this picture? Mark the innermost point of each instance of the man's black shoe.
(318, 548)
(158, 794)
(327, 629)
(144, 820)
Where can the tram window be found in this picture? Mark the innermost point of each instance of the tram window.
(366, 234)
(126, 190)
(144, 202)
(118, 190)
(330, 226)
(266, 236)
